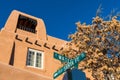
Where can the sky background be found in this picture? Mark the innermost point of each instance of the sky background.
(59, 15)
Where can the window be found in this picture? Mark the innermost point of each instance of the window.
(26, 24)
(35, 58)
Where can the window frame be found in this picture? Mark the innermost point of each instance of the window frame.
(27, 24)
(34, 61)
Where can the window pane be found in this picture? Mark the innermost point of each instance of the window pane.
(34, 58)
(38, 60)
(30, 60)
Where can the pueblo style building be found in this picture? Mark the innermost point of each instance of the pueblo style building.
(26, 51)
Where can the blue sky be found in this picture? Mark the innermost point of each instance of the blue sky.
(59, 15)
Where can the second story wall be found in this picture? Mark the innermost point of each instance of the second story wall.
(21, 23)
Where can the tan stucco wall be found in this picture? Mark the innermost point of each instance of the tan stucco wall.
(8, 72)
(6, 44)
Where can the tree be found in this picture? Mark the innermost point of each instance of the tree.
(101, 42)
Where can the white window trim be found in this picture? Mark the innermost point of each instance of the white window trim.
(42, 63)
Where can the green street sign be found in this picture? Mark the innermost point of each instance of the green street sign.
(61, 57)
(69, 65)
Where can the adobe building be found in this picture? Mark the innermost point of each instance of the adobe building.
(25, 46)
(26, 51)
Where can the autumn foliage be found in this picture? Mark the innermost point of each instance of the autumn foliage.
(101, 42)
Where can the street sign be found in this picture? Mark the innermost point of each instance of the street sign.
(61, 57)
(69, 65)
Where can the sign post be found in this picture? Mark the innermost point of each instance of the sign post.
(74, 74)
(70, 63)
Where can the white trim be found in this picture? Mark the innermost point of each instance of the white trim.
(35, 54)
